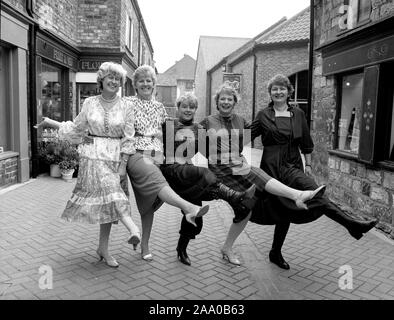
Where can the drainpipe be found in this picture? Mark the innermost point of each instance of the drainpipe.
(254, 84)
(208, 109)
(310, 71)
(33, 99)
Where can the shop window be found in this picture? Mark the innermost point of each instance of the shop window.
(300, 84)
(50, 101)
(4, 100)
(86, 90)
(348, 133)
(363, 10)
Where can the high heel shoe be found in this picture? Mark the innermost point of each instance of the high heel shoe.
(110, 262)
(135, 239)
(190, 217)
(230, 257)
(309, 195)
(147, 257)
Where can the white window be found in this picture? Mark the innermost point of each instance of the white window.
(129, 33)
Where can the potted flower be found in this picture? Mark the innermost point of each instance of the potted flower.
(69, 160)
(49, 153)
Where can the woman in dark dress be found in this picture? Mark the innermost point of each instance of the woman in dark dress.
(284, 133)
(225, 131)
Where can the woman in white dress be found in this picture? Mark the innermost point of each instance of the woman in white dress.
(104, 130)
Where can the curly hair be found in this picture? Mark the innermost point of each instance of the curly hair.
(144, 70)
(187, 98)
(113, 68)
(227, 89)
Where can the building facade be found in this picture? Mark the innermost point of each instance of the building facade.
(176, 81)
(282, 48)
(352, 111)
(50, 52)
(211, 50)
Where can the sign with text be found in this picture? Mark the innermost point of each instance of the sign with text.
(56, 54)
(371, 53)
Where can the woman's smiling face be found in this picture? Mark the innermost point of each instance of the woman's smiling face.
(279, 94)
(144, 86)
(111, 83)
(226, 104)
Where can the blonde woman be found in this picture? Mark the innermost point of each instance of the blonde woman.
(106, 126)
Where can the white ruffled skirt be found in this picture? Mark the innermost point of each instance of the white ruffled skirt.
(98, 196)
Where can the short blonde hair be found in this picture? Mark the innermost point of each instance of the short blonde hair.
(144, 70)
(187, 98)
(110, 67)
(227, 89)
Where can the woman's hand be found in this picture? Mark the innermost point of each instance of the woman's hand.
(43, 123)
(122, 168)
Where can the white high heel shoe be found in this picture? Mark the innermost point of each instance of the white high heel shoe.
(190, 217)
(309, 195)
(110, 261)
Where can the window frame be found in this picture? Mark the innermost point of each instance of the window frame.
(339, 89)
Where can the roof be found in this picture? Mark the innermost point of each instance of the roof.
(215, 49)
(181, 70)
(283, 31)
(295, 29)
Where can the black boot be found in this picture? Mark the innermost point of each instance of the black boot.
(275, 254)
(234, 198)
(356, 227)
(181, 249)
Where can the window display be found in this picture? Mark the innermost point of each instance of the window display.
(350, 112)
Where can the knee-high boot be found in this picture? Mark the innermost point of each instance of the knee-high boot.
(275, 254)
(181, 249)
(356, 227)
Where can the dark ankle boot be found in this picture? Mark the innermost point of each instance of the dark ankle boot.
(277, 258)
(234, 198)
(181, 249)
(355, 226)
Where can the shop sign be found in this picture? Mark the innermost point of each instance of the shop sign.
(55, 54)
(87, 65)
(371, 53)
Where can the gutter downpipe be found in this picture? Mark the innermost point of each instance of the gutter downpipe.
(311, 55)
(254, 84)
(33, 99)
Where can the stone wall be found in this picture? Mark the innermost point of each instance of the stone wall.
(365, 190)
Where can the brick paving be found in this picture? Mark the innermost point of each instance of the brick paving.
(32, 235)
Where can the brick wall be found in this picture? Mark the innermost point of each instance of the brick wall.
(364, 189)
(58, 17)
(287, 61)
(98, 23)
(8, 171)
(245, 106)
(19, 5)
(127, 7)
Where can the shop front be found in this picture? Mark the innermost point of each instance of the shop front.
(14, 52)
(56, 65)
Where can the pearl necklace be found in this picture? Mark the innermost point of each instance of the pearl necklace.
(109, 100)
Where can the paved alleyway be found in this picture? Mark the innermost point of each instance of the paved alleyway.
(33, 235)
